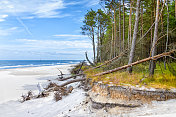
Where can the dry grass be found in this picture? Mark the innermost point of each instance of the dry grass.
(140, 76)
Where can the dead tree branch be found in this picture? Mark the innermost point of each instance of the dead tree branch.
(61, 74)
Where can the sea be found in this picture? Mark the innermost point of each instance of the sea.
(11, 64)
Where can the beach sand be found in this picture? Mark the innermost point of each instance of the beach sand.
(14, 82)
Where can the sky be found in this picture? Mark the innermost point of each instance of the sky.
(44, 29)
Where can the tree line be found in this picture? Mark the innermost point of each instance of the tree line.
(136, 29)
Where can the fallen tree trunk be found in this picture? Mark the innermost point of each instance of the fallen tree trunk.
(135, 63)
(72, 81)
(70, 77)
(107, 62)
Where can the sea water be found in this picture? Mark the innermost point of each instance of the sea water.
(10, 64)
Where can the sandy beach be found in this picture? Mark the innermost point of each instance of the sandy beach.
(15, 82)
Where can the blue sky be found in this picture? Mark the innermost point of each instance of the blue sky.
(44, 29)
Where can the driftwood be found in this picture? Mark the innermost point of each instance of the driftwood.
(61, 74)
(88, 60)
(27, 97)
(70, 77)
(61, 91)
(135, 63)
(40, 88)
(72, 81)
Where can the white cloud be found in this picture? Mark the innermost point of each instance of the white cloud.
(48, 9)
(26, 40)
(34, 8)
(1, 20)
(46, 49)
(71, 37)
(40, 8)
(28, 17)
(90, 3)
(5, 32)
(68, 35)
(53, 44)
(93, 2)
(2, 17)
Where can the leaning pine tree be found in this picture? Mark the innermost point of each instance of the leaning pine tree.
(153, 49)
(134, 36)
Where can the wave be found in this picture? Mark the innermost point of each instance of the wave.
(12, 66)
(18, 66)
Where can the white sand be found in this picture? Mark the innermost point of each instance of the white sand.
(14, 82)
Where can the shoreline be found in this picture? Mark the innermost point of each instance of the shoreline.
(37, 66)
(17, 81)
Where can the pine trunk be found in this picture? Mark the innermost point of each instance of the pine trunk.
(93, 42)
(112, 43)
(115, 31)
(153, 49)
(142, 31)
(154, 8)
(175, 9)
(162, 25)
(167, 31)
(123, 25)
(151, 40)
(120, 48)
(130, 17)
(98, 43)
(134, 36)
